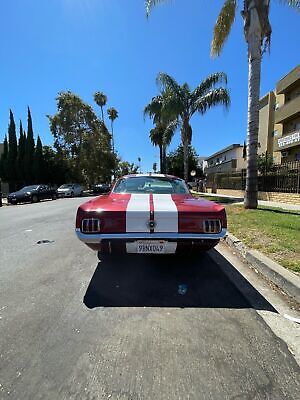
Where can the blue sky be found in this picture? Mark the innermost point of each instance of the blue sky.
(108, 45)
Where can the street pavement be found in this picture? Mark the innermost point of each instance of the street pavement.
(128, 327)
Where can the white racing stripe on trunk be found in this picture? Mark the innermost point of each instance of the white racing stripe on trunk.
(165, 213)
(138, 213)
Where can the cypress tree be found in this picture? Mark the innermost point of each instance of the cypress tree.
(29, 151)
(3, 161)
(12, 152)
(38, 162)
(21, 155)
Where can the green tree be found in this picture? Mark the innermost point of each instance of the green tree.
(265, 163)
(3, 161)
(21, 155)
(82, 138)
(38, 163)
(175, 161)
(100, 99)
(184, 103)
(29, 150)
(166, 124)
(154, 167)
(56, 167)
(112, 115)
(12, 152)
(257, 33)
(126, 168)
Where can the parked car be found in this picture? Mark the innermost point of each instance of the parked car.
(32, 193)
(150, 214)
(70, 190)
(101, 188)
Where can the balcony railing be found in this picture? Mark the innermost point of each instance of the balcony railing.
(288, 141)
(288, 111)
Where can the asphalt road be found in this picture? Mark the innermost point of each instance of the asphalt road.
(129, 327)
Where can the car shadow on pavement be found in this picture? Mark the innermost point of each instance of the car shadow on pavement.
(169, 281)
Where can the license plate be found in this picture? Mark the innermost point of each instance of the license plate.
(150, 247)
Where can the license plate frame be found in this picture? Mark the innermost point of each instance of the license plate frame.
(151, 246)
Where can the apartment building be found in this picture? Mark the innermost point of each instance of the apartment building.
(279, 119)
(229, 159)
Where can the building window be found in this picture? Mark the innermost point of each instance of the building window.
(297, 157)
(275, 133)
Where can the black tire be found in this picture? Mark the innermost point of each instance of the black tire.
(105, 250)
(34, 198)
(72, 194)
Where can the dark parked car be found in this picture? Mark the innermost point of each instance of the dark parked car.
(101, 188)
(32, 194)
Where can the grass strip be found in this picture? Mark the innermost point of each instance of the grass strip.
(273, 231)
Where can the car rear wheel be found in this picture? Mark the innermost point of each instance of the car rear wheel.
(104, 251)
(34, 199)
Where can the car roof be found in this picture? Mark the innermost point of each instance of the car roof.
(152, 176)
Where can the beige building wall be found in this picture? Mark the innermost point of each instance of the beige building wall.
(266, 123)
(279, 116)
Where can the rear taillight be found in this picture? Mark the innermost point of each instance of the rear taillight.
(212, 226)
(90, 225)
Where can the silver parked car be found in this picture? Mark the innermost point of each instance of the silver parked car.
(70, 190)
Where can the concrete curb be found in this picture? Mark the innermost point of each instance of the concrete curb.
(281, 277)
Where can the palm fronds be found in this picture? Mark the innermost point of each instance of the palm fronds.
(167, 82)
(112, 113)
(223, 26)
(149, 4)
(219, 96)
(207, 84)
(100, 99)
(153, 109)
(292, 3)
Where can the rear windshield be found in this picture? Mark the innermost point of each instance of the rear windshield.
(66, 186)
(29, 188)
(150, 184)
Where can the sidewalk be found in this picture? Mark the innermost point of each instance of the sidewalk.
(239, 201)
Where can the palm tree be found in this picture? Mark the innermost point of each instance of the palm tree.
(161, 136)
(100, 99)
(112, 115)
(139, 165)
(165, 126)
(182, 102)
(257, 31)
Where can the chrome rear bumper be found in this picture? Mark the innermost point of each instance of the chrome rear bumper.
(96, 238)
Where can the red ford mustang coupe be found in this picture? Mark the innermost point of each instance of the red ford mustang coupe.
(150, 214)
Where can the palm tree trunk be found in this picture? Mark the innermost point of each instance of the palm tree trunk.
(165, 160)
(112, 137)
(102, 114)
(254, 63)
(186, 159)
(161, 158)
(185, 145)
